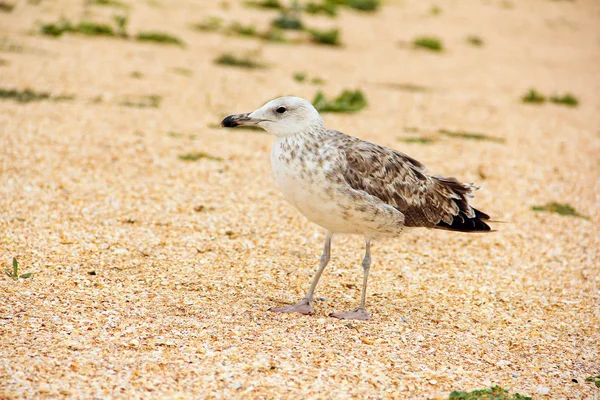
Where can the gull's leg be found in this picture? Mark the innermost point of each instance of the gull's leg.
(360, 313)
(305, 306)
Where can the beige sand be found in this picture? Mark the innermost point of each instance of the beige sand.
(189, 256)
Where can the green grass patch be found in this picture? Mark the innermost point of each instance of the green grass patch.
(147, 101)
(435, 11)
(28, 95)
(274, 35)
(14, 273)
(288, 20)
(330, 37)
(209, 24)
(119, 29)
(302, 77)
(471, 136)
(270, 4)
(325, 7)
(159, 37)
(88, 28)
(533, 97)
(195, 156)
(348, 101)
(241, 30)
(238, 61)
(360, 5)
(418, 139)
(594, 379)
(567, 100)
(493, 393)
(109, 3)
(559, 208)
(299, 76)
(475, 40)
(431, 43)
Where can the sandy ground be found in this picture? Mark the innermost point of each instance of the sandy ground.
(188, 256)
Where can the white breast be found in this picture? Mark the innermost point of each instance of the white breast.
(305, 186)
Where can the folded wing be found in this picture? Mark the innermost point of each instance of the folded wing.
(400, 181)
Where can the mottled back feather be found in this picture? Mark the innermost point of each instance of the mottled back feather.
(401, 181)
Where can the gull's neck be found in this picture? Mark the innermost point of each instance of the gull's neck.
(310, 133)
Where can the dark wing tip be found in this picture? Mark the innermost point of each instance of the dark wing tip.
(461, 223)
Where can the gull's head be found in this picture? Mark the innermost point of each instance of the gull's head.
(284, 116)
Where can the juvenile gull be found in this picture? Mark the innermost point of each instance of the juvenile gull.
(347, 185)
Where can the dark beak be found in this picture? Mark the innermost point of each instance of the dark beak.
(239, 119)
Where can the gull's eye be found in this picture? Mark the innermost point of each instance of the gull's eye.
(281, 110)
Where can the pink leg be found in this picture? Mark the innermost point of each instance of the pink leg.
(305, 306)
(360, 313)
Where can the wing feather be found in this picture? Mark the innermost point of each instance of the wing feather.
(401, 181)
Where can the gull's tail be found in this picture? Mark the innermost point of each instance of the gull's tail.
(468, 219)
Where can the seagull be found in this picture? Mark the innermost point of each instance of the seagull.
(350, 186)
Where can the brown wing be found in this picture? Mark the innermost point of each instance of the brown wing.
(400, 181)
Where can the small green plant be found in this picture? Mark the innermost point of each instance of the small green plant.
(15, 271)
(471, 136)
(329, 37)
(361, 5)
(235, 61)
(195, 156)
(148, 101)
(109, 3)
(28, 95)
(273, 4)
(418, 139)
(87, 28)
(594, 379)
(475, 40)
(493, 393)
(348, 101)
(431, 43)
(274, 35)
(559, 208)
(242, 30)
(435, 10)
(326, 7)
(567, 99)
(288, 20)
(299, 76)
(121, 22)
(209, 24)
(533, 97)
(136, 75)
(159, 37)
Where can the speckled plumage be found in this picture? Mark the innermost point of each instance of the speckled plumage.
(347, 185)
